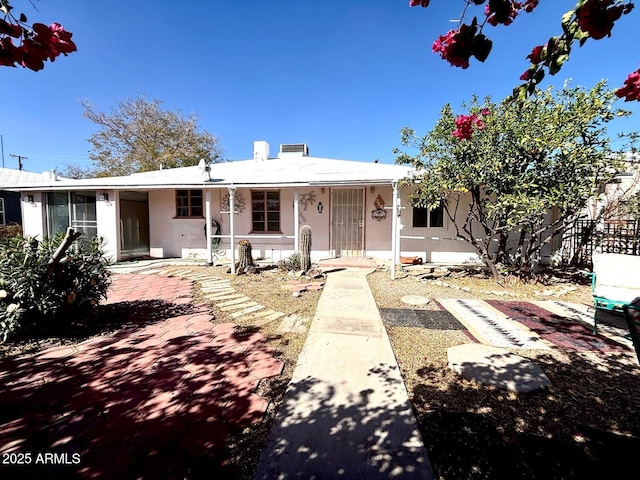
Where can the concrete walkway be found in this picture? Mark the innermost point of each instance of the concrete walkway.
(346, 413)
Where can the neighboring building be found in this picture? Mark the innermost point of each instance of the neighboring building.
(164, 214)
(10, 208)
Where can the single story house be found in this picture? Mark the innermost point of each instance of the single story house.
(350, 207)
(10, 208)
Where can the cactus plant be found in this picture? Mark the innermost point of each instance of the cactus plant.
(305, 248)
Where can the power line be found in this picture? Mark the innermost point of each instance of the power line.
(20, 158)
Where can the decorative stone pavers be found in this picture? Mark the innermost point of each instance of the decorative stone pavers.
(178, 387)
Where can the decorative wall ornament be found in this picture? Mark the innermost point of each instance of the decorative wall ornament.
(238, 202)
(379, 213)
(307, 199)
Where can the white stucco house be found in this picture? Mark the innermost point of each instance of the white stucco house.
(349, 205)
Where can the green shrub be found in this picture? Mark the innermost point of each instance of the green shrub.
(291, 263)
(36, 296)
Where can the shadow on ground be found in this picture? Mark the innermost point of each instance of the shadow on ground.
(157, 399)
(319, 434)
(585, 426)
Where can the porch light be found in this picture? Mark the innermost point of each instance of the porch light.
(320, 207)
(104, 197)
(29, 198)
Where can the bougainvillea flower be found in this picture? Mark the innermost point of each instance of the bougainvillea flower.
(10, 29)
(465, 125)
(501, 11)
(456, 47)
(422, 3)
(631, 89)
(9, 53)
(534, 56)
(596, 17)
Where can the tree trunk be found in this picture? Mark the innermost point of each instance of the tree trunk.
(245, 260)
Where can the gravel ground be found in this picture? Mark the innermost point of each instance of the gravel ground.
(586, 425)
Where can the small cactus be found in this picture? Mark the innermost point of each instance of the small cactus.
(305, 248)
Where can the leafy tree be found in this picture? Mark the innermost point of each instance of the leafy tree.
(35, 43)
(504, 168)
(140, 136)
(589, 19)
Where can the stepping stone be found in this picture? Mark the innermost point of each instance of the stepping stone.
(414, 300)
(255, 308)
(234, 301)
(255, 316)
(275, 316)
(239, 306)
(496, 367)
(227, 296)
(292, 324)
(219, 294)
(215, 288)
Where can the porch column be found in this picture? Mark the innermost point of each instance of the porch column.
(207, 216)
(394, 229)
(296, 220)
(232, 212)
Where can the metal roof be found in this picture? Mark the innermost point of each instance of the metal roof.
(289, 171)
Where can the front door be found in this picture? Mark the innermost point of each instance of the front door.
(347, 222)
(134, 224)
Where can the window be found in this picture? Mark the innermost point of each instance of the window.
(2, 217)
(189, 203)
(265, 211)
(424, 217)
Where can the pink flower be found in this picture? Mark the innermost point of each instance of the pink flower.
(631, 89)
(534, 56)
(422, 3)
(456, 47)
(465, 125)
(501, 11)
(596, 17)
(10, 29)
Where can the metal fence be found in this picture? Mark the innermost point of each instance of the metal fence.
(579, 242)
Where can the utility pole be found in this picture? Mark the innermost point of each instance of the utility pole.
(20, 158)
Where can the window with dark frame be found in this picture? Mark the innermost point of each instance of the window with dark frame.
(428, 218)
(189, 204)
(265, 211)
(2, 215)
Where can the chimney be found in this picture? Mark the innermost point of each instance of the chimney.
(260, 151)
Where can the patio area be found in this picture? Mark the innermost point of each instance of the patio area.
(163, 397)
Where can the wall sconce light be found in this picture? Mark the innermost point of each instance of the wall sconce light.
(29, 198)
(104, 197)
(320, 207)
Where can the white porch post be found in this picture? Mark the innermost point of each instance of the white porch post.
(296, 220)
(394, 230)
(232, 211)
(207, 216)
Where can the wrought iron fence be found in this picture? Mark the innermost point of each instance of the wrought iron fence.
(618, 236)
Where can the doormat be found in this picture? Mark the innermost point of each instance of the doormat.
(562, 331)
(431, 319)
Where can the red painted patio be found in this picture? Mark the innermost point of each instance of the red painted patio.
(154, 401)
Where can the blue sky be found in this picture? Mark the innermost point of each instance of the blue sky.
(342, 76)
